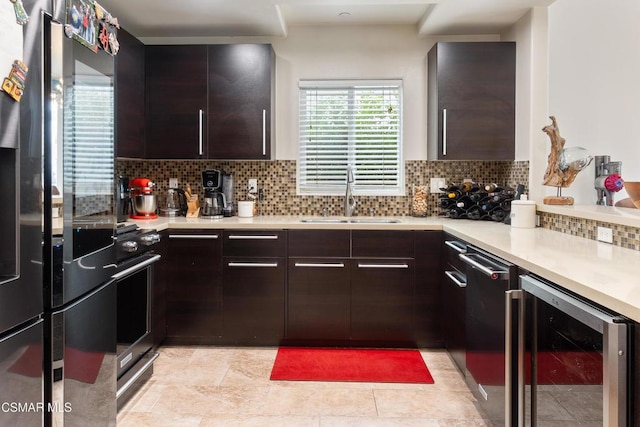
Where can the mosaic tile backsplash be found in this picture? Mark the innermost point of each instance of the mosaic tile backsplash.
(278, 181)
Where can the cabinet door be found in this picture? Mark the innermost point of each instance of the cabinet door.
(253, 300)
(454, 323)
(472, 101)
(382, 299)
(241, 78)
(428, 278)
(176, 79)
(318, 303)
(130, 97)
(194, 289)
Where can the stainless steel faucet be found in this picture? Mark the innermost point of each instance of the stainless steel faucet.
(349, 200)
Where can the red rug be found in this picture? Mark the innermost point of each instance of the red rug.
(358, 365)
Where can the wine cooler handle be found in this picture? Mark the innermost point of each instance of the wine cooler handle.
(511, 296)
(444, 131)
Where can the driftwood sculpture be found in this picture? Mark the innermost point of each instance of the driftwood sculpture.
(561, 172)
(554, 176)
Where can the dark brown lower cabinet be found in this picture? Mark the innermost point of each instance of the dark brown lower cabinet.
(194, 286)
(253, 310)
(428, 278)
(319, 295)
(382, 292)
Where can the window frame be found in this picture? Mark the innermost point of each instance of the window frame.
(368, 190)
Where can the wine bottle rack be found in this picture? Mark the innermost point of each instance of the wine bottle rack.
(476, 202)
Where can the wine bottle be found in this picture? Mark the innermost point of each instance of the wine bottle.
(491, 187)
(474, 212)
(478, 196)
(446, 202)
(498, 214)
(456, 212)
(454, 194)
(464, 202)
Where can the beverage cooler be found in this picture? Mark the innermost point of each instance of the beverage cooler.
(570, 360)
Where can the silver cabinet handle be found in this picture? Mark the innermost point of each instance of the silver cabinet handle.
(194, 236)
(253, 237)
(444, 131)
(452, 275)
(484, 265)
(511, 296)
(264, 132)
(320, 264)
(200, 121)
(253, 264)
(457, 246)
(383, 265)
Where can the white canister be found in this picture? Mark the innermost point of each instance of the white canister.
(523, 213)
(245, 209)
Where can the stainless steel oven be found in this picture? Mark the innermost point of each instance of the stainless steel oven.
(572, 359)
(134, 288)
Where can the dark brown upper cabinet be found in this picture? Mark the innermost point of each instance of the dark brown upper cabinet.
(129, 97)
(176, 83)
(471, 102)
(241, 101)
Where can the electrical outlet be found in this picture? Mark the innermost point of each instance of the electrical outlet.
(436, 184)
(252, 185)
(173, 182)
(605, 235)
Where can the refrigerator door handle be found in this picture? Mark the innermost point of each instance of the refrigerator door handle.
(510, 297)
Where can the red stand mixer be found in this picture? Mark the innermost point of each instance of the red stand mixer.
(143, 201)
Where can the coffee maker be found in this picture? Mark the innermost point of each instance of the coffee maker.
(214, 199)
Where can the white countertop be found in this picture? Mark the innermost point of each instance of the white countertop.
(598, 271)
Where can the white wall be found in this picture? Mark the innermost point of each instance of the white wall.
(594, 83)
(530, 35)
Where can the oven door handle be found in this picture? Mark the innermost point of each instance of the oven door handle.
(510, 297)
(133, 269)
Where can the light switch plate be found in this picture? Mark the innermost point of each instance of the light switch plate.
(173, 182)
(436, 184)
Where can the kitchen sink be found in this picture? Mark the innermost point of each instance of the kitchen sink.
(374, 221)
(353, 221)
(324, 220)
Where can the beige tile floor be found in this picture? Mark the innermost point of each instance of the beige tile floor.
(214, 386)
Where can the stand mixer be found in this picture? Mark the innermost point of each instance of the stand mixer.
(143, 201)
(608, 180)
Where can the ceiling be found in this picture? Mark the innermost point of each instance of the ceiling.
(273, 18)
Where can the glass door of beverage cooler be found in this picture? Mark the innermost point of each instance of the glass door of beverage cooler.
(574, 360)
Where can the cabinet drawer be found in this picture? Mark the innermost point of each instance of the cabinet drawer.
(382, 243)
(319, 243)
(251, 243)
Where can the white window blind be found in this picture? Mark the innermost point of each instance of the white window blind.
(355, 123)
(89, 138)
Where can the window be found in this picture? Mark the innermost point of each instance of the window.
(355, 123)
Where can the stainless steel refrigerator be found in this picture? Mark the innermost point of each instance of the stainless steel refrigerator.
(57, 298)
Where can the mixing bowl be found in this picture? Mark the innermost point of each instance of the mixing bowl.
(633, 190)
(144, 204)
